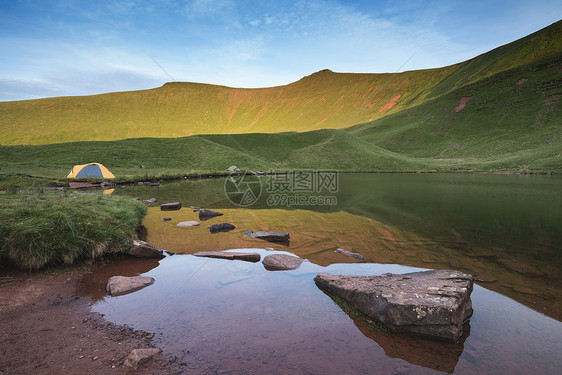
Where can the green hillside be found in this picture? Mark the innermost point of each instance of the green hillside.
(500, 111)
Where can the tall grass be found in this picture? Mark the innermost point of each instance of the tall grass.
(40, 228)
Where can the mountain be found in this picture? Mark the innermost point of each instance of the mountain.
(498, 111)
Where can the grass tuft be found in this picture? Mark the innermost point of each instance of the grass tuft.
(40, 228)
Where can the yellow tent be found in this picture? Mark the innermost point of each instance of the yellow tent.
(90, 170)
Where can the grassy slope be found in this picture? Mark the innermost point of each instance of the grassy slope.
(505, 126)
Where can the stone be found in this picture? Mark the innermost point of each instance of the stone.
(349, 254)
(140, 356)
(142, 249)
(430, 303)
(188, 224)
(223, 227)
(170, 206)
(268, 236)
(208, 214)
(119, 285)
(150, 200)
(281, 262)
(248, 257)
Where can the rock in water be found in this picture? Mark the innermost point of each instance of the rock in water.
(190, 223)
(208, 214)
(248, 257)
(170, 206)
(349, 254)
(119, 285)
(281, 262)
(430, 303)
(140, 356)
(223, 227)
(269, 236)
(142, 249)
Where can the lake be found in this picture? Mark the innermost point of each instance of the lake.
(237, 317)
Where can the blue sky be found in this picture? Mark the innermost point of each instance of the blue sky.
(75, 47)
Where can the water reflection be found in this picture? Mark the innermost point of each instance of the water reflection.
(93, 284)
(505, 230)
(436, 355)
(236, 317)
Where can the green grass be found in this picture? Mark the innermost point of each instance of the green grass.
(325, 121)
(40, 228)
(324, 100)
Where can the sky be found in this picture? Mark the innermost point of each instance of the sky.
(76, 47)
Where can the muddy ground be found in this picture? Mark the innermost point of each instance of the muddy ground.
(46, 327)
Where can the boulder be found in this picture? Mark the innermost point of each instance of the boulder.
(140, 356)
(349, 254)
(208, 214)
(119, 285)
(188, 224)
(281, 262)
(269, 236)
(170, 206)
(248, 257)
(142, 249)
(430, 303)
(223, 227)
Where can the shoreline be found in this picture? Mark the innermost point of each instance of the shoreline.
(48, 327)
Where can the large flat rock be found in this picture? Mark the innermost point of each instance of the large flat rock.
(429, 303)
(248, 257)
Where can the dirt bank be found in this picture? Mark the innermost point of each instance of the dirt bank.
(47, 328)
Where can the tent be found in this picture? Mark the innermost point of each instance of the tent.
(233, 168)
(90, 170)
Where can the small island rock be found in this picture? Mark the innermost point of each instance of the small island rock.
(208, 214)
(269, 236)
(248, 257)
(142, 249)
(174, 206)
(188, 224)
(281, 262)
(223, 227)
(119, 285)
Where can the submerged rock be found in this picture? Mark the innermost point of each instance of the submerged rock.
(223, 227)
(248, 257)
(142, 249)
(119, 285)
(208, 214)
(170, 206)
(429, 303)
(188, 224)
(281, 262)
(269, 236)
(140, 356)
(349, 254)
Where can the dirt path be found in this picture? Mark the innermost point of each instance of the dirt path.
(45, 328)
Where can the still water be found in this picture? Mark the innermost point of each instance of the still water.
(237, 317)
